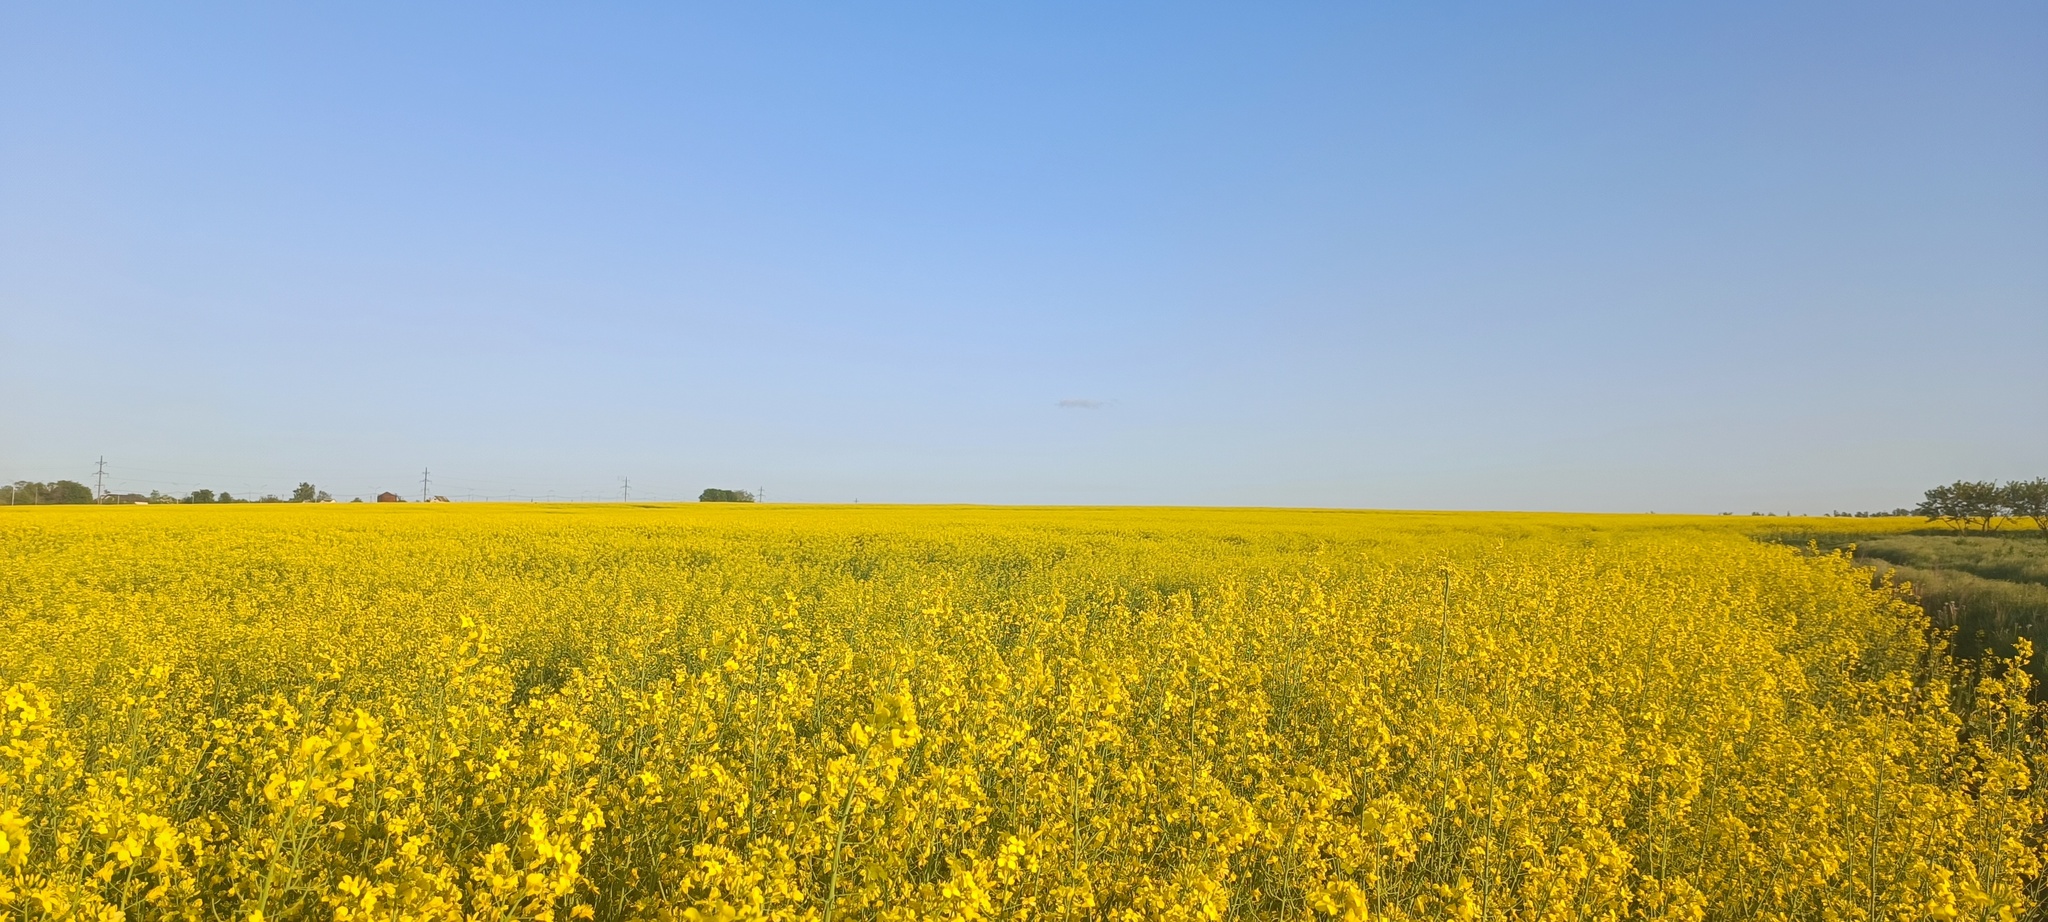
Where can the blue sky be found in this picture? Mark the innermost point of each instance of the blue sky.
(1711, 257)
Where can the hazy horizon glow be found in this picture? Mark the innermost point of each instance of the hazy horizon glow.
(1729, 257)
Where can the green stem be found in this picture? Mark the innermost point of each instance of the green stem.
(839, 837)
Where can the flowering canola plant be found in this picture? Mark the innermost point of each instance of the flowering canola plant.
(730, 712)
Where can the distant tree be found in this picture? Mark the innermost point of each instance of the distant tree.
(714, 495)
(199, 496)
(271, 498)
(68, 491)
(1982, 502)
(2028, 499)
(304, 493)
(322, 497)
(1965, 503)
(1941, 505)
(226, 497)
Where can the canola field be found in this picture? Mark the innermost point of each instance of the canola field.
(736, 712)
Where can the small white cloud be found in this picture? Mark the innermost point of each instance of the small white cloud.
(1082, 403)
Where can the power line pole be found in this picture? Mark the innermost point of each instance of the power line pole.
(760, 494)
(99, 489)
(423, 484)
(625, 489)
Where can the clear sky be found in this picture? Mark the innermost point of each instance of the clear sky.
(1708, 257)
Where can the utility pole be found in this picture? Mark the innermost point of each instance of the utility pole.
(99, 489)
(760, 494)
(423, 484)
(625, 489)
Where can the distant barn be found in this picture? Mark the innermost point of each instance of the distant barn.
(389, 497)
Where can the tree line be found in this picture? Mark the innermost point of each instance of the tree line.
(31, 493)
(71, 492)
(1985, 505)
(303, 493)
